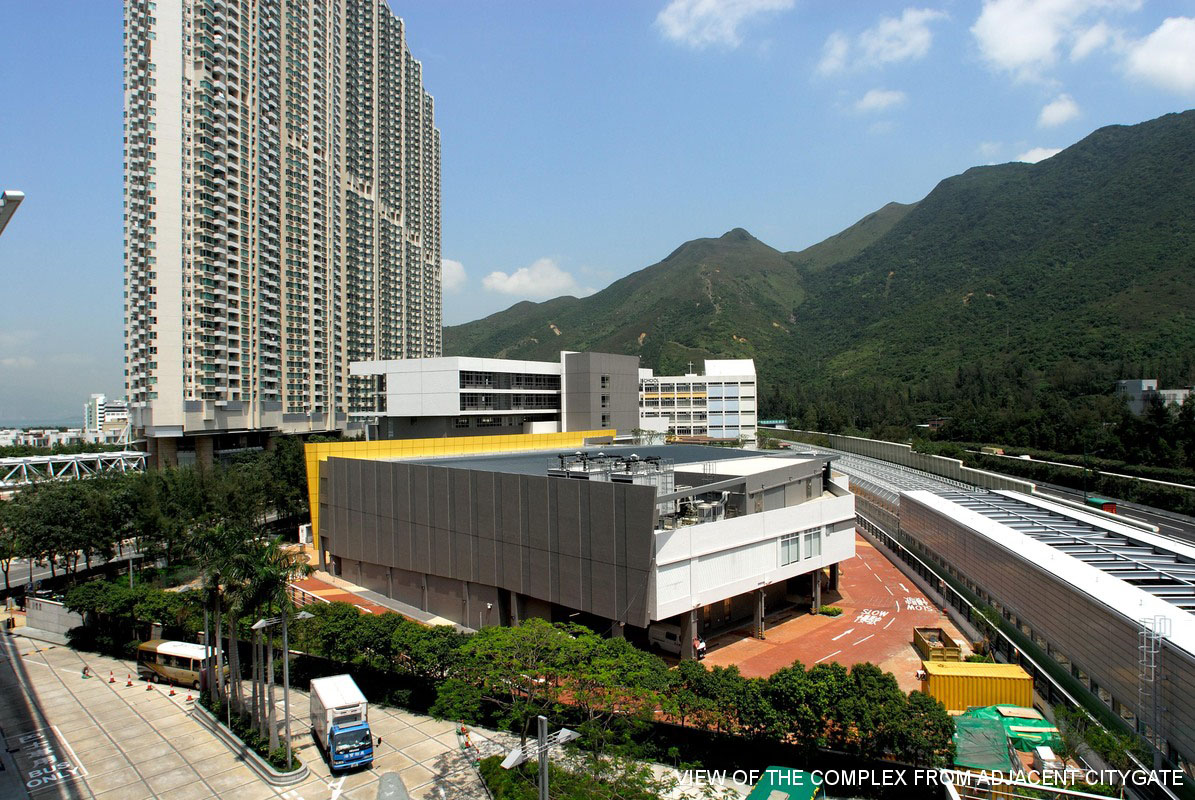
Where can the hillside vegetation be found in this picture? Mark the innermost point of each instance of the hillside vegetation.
(1011, 296)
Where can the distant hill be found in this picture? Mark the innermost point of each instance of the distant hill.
(852, 241)
(732, 296)
(1086, 259)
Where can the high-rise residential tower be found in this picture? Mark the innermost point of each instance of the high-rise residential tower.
(282, 216)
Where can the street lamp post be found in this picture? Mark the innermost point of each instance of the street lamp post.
(261, 624)
(540, 749)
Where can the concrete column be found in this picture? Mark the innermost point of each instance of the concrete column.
(688, 629)
(817, 590)
(760, 611)
(617, 630)
(517, 611)
(323, 561)
(389, 580)
(205, 451)
(834, 576)
(163, 452)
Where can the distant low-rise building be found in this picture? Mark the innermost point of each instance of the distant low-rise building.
(41, 437)
(719, 405)
(1140, 393)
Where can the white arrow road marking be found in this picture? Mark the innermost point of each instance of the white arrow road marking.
(337, 787)
(844, 633)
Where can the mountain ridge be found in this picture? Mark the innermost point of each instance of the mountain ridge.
(1087, 257)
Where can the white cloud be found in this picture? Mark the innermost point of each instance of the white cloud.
(1024, 36)
(17, 362)
(990, 149)
(892, 40)
(698, 23)
(889, 41)
(834, 54)
(542, 279)
(1090, 40)
(452, 274)
(879, 100)
(1038, 154)
(1058, 111)
(1166, 58)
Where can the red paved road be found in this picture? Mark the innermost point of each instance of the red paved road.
(880, 609)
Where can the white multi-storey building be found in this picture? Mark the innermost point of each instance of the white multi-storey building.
(105, 420)
(721, 404)
(282, 215)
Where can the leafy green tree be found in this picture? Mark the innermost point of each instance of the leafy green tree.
(431, 653)
(518, 669)
(924, 734)
(9, 541)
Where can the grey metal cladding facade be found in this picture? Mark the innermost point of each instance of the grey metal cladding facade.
(585, 545)
(1098, 640)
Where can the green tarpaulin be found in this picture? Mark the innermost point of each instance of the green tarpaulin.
(981, 744)
(1026, 733)
(783, 783)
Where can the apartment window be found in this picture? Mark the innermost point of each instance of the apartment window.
(461, 422)
(605, 401)
(605, 381)
(605, 420)
(489, 422)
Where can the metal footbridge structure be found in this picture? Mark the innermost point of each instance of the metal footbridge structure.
(16, 473)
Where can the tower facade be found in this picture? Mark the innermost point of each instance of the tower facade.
(282, 215)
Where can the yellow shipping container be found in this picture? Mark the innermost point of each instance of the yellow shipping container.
(963, 684)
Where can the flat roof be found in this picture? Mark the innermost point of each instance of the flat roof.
(977, 669)
(1139, 575)
(686, 456)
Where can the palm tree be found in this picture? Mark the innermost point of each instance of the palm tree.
(216, 548)
(262, 572)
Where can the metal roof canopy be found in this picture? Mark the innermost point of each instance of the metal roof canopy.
(1162, 572)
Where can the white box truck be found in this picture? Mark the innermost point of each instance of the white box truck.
(340, 722)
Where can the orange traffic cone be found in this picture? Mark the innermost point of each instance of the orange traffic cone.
(149, 687)
(111, 678)
(172, 692)
(128, 680)
(189, 698)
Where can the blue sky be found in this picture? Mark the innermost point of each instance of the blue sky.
(583, 141)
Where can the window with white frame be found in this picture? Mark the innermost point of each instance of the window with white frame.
(790, 549)
(813, 543)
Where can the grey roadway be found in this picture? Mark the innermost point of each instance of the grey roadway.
(69, 737)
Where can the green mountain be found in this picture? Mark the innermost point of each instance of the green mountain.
(1080, 268)
(731, 296)
(853, 240)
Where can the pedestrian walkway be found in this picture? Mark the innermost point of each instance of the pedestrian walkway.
(322, 586)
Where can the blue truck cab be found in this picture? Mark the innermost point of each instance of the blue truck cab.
(352, 746)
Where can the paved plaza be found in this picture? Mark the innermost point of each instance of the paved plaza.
(880, 606)
(72, 737)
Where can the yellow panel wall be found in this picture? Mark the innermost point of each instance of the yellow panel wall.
(315, 452)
